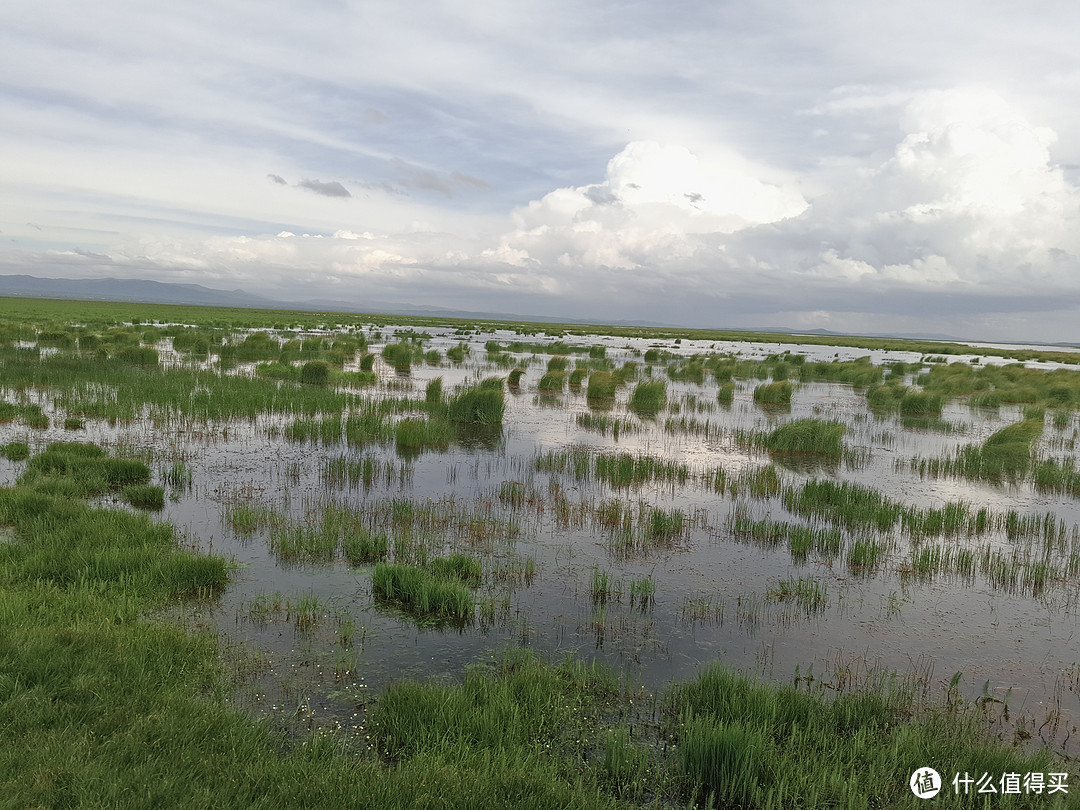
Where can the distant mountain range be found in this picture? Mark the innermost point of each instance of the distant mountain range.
(130, 289)
(158, 292)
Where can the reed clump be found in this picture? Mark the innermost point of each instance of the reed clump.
(15, 451)
(315, 372)
(552, 381)
(413, 434)
(847, 503)
(649, 398)
(481, 404)
(747, 744)
(602, 386)
(80, 470)
(146, 496)
(774, 393)
(362, 547)
(437, 593)
(399, 356)
(807, 436)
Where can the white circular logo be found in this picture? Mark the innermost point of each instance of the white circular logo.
(925, 783)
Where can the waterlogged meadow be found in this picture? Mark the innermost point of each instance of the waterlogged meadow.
(383, 562)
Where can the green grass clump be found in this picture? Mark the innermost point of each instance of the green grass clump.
(1062, 476)
(689, 371)
(920, 403)
(1007, 453)
(15, 451)
(552, 381)
(602, 385)
(327, 430)
(577, 376)
(433, 393)
(362, 547)
(367, 426)
(303, 544)
(514, 378)
(457, 353)
(807, 436)
(398, 355)
(665, 525)
(625, 469)
(774, 393)
(482, 404)
(749, 744)
(808, 594)
(424, 592)
(279, 371)
(626, 372)
(846, 503)
(315, 372)
(557, 363)
(461, 567)
(247, 518)
(649, 398)
(138, 355)
(145, 496)
(178, 475)
(80, 470)
(885, 396)
(413, 434)
(864, 554)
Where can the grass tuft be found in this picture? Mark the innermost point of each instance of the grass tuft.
(807, 436)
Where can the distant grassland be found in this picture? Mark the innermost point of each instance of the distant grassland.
(42, 312)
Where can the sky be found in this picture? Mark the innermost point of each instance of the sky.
(852, 166)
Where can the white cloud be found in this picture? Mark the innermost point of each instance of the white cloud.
(969, 195)
(653, 199)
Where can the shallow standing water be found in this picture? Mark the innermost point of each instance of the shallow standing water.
(716, 591)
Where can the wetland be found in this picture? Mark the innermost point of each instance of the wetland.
(400, 561)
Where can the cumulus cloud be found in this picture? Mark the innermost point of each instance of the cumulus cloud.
(969, 197)
(967, 205)
(653, 200)
(326, 189)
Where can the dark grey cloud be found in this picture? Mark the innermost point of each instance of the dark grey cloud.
(327, 189)
(277, 178)
(449, 184)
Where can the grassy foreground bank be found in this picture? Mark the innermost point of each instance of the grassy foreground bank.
(101, 706)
